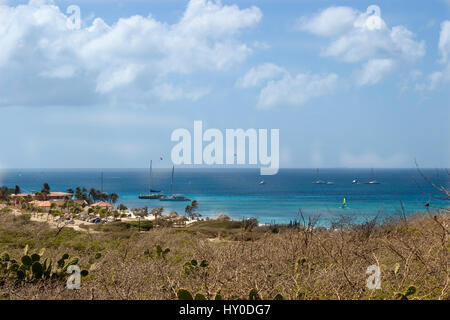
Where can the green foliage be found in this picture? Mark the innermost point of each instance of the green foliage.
(250, 223)
(30, 269)
(404, 295)
(158, 252)
(183, 294)
(193, 266)
(218, 296)
(253, 295)
(199, 296)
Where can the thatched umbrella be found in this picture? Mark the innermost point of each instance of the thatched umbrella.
(223, 217)
(172, 214)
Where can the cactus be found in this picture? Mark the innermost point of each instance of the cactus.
(404, 295)
(193, 266)
(160, 253)
(218, 296)
(183, 294)
(4, 257)
(253, 295)
(199, 296)
(396, 268)
(30, 269)
(26, 260)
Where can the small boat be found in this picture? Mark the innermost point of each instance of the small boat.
(344, 204)
(355, 181)
(318, 181)
(151, 196)
(154, 194)
(262, 182)
(173, 197)
(372, 180)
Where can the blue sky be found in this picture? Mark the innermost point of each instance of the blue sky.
(109, 95)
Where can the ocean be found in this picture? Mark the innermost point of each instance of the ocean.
(238, 194)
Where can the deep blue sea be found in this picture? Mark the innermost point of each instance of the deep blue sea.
(237, 192)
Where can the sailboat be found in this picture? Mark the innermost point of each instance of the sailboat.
(154, 194)
(173, 197)
(318, 181)
(372, 180)
(355, 181)
(344, 204)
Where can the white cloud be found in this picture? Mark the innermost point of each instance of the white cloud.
(437, 78)
(444, 41)
(329, 22)
(294, 91)
(371, 159)
(279, 88)
(363, 37)
(39, 51)
(373, 71)
(167, 92)
(257, 75)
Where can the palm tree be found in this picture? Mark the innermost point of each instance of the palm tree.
(157, 212)
(190, 209)
(113, 198)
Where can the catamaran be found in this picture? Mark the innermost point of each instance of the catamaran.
(318, 181)
(154, 194)
(173, 197)
(372, 180)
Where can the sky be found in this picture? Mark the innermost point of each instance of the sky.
(347, 83)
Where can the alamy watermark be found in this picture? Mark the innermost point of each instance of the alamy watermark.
(373, 282)
(74, 20)
(74, 280)
(233, 150)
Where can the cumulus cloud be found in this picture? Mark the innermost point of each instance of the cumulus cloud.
(363, 37)
(294, 91)
(373, 71)
(329, 22)
(257, 75)
(371, 159)
(440, 77)
(54, 64)
(356, 36)
(279, 88)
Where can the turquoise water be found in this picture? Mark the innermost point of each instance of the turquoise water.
(236, 192)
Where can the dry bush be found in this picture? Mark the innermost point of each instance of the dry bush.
(299, 263)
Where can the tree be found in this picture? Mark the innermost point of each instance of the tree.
(122, 207)
(113, 197)
(17, 190)
(46, 187)
(190, 210)
(157, 212)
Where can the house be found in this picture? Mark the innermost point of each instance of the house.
(101, 204)
(46, 205)
(51, 196)
(59, 195)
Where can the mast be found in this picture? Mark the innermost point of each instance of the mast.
(150, 177)
(171, 181)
